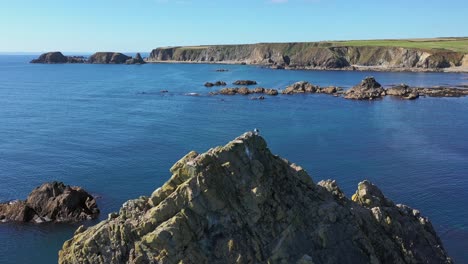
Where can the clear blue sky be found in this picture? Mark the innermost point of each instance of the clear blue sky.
(141, 25)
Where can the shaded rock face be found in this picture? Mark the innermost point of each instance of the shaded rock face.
(368, 89)
(241, 204)
(137, 60)
(108, 58)
(51, 202)
(57, 57)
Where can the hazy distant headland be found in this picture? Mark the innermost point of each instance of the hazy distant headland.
(435, 54)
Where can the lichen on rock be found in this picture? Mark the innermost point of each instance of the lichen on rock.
(239, 203)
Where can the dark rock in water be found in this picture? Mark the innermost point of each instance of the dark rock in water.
(328, 90)
(403, 91)
(108, 58)
(245, 82)
(368, 89)
(246, 91)
(300, 87)
(58, 57)
(54, 202)
(218, 83)
(242, 204)
(137, 60)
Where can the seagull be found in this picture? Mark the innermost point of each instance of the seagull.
(256, 131)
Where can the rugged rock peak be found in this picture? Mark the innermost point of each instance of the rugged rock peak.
(53, 201)
(368, 89)
(369, 195)
(137, 60)
(239, 203)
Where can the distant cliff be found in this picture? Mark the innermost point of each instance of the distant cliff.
(318, 55)
(242, 204)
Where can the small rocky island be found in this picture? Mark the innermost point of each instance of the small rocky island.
(96, 58)
(242, 204)
(51, 202)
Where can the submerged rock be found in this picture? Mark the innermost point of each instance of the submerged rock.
(54, 202)
(218, 83)
(241, 204)
(368, 89)
(245, 82)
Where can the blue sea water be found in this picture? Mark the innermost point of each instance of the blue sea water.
(108, 129)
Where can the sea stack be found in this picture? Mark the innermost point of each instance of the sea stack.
(108, 58)
(57, 57)
(239, 203)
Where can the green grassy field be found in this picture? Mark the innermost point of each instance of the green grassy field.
(452, 44)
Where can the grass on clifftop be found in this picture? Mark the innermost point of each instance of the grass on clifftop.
(447, 44)
(452, 44)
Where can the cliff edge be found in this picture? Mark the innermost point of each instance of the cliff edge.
(241, 204)
(322, 56)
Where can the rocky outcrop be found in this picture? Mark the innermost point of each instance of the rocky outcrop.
(218, 83)
(246, 91)
(108, 58)
(51, 202)
(58, 57)
(300, 87)
(368, 89)
(244, 82)
(306, 87)
(241, 204)
(137, 60)
(317, 55)
(403, 91)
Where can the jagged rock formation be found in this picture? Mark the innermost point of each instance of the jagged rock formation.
(316, 55)
(368, 89)
(137, 60)
(54, 202)
(108, 58)
(57, 57)
(242, 204)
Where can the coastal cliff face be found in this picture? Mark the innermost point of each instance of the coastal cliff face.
(242, 204)
(314, 56)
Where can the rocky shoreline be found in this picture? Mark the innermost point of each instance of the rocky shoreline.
(368, 89)
(239, 203)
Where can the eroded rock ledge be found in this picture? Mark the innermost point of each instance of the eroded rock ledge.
(241, 204)
(51, 202)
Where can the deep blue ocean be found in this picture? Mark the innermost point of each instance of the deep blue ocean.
(108, 129)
